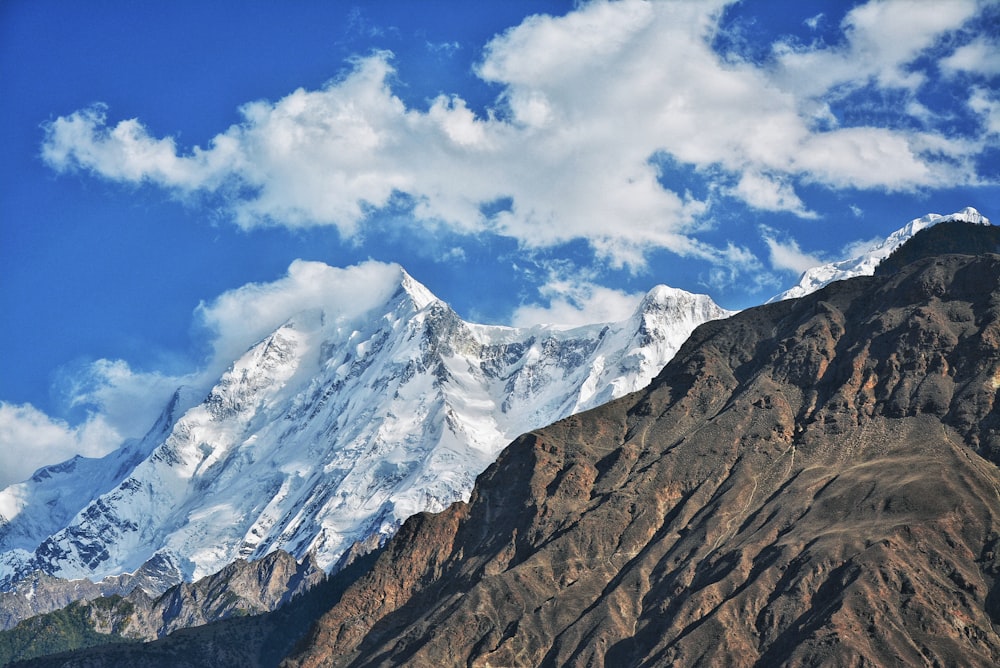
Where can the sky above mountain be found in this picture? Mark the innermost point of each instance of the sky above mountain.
(173, 174)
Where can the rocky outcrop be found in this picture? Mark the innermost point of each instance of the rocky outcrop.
(812, 482)
(41, 593)
(241, 589)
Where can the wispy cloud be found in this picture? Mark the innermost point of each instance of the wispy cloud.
(981, 56)
(572, 296)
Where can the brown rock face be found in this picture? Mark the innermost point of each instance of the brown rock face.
(807, 483)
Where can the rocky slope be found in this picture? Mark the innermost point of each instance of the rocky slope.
(812, 482)
(241, 589)
(331, 430)
(244, 640)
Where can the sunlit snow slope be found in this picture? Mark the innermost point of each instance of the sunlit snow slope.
(332, 429)
(865, 263)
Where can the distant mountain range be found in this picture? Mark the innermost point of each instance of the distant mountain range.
(864, 264)
(323, 438)
(324, 435)
(810, 482)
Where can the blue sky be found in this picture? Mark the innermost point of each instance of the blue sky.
(527, 161)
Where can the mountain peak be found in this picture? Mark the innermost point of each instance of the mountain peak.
(787, 492)
(418, 292)
(370, 401)
(864, 264)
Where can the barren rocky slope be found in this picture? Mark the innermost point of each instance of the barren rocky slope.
(806, 483)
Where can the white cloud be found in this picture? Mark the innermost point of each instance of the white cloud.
(882, 38)
(29, 439)
(813, 21)
(786, 255)
(121, 403)
(860, 247)
(988, 108)
(979, 56)
(118, 403)
(770, 194)
(586, 101)
(241, 317)
(574, 300)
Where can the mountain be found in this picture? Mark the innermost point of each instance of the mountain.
(811, 482)
(242, 588)
(331, 430)
(864, 264)
(78, 633)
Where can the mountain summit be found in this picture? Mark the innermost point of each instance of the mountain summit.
(332, 429)
(811, 482)
(864, 264)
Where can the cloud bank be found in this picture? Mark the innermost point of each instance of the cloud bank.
(587, 102)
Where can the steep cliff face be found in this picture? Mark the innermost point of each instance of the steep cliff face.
(810, 482)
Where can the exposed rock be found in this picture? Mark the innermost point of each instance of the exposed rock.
(40, 593)
(806, 483)
(239, 590)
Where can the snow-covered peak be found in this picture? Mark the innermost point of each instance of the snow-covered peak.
(665, 299)
(418, 292)
(864, 264)
(333, 428)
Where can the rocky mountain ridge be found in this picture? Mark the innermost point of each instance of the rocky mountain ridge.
(865, 263)
(328, 432)
(811, 482)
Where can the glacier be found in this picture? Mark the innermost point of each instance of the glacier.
(338, 424)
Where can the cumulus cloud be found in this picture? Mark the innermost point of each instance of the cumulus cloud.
(241, 317)
(979, 57)
(770, 194)
(30, 439)
(574, 298)
(882, 38)
(586, 101)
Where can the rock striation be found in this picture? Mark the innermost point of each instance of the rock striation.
(811, 482)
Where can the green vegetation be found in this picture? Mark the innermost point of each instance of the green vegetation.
(66, 629)
(245, 641)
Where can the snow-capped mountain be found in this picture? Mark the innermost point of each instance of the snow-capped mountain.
(864, 264)
(330, 430)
